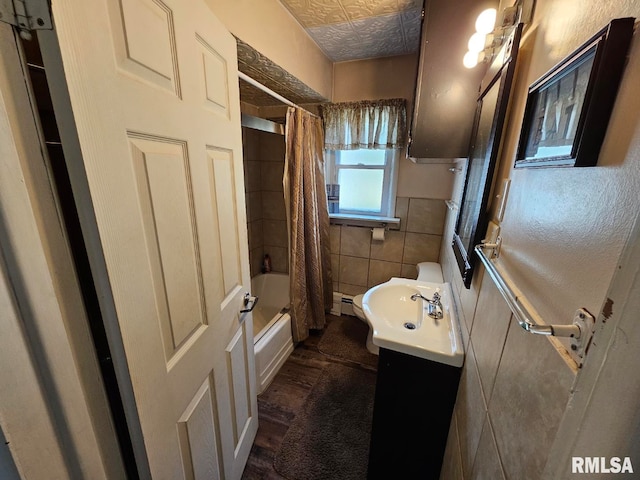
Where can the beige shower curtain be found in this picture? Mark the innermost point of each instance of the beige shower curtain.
(308, 222)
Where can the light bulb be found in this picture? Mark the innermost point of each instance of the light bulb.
(477, 42)
(486, 21)
(470, 59)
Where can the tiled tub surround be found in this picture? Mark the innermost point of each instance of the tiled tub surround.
(266, 216)
(359, 263)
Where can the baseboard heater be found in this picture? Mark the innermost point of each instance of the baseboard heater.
(342, 304)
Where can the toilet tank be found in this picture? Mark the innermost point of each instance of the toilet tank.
(430, 272)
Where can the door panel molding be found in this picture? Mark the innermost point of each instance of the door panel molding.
(198, 432)
(221, 168)
(144, 40)
(214, 78)
(167, 208)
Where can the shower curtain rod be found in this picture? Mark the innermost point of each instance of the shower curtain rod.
(267, 90)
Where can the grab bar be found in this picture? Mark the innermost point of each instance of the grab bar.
(580, 331)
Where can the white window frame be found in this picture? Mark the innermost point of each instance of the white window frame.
(389, 182)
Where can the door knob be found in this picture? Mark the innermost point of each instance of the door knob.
(249, 303)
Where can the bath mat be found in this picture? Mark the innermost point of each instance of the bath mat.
(346, 338)
(329, 438)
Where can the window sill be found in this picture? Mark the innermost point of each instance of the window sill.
(364, 220)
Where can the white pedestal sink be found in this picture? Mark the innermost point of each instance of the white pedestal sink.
(403, 325)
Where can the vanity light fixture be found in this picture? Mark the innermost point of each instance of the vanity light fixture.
(478, 42)
(471, 59)
(486, 21)
(488, 36)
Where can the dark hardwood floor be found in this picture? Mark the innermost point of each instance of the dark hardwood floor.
(281, 401)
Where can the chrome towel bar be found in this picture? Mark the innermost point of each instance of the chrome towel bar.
(580, 331)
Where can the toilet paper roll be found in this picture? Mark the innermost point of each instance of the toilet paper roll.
(377, 234)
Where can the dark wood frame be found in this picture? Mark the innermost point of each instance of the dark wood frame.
(500, 73)
(609, 51)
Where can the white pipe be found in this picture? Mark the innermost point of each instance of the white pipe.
(268, 91)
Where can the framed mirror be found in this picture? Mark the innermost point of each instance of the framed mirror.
(485, 144)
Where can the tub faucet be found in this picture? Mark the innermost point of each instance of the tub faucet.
(434, 305)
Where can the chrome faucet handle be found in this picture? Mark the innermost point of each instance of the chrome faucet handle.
(435, 307)
(435, 300)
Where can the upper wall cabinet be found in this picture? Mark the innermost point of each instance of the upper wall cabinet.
(446, 91)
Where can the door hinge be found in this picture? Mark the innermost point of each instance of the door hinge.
(26, 15)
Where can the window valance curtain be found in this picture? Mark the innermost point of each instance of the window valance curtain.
(373, 124)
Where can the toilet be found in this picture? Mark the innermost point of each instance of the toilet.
(427, 272)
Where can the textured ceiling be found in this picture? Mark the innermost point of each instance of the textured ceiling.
(344, 30)
(269, 74)
(359, 29)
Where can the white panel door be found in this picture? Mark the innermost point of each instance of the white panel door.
(154, 92)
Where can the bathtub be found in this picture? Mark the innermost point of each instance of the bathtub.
(272, 342)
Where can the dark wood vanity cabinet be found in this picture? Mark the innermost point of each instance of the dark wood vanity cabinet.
(411, 415)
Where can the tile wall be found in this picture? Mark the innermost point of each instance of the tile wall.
(358, 263)
(266, 217)
(514, 385)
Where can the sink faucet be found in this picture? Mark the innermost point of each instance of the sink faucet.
(434, 305)
(416, 296)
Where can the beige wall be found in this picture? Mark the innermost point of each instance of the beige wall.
(389, 77)
(564, 229)
(424, 180)
(268, 27)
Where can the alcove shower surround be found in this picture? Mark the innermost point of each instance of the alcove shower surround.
(266, 216)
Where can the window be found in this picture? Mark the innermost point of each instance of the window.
(367, 181)
(363, 140)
